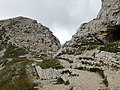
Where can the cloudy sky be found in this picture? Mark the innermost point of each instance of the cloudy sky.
(63, 17)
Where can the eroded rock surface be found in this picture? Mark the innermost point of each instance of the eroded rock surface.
(30, 35)
(96, 45)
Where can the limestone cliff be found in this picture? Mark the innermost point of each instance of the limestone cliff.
(29, 35)
(96, 45)
(104, 27)
(24, 45)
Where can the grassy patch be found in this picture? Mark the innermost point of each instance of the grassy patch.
(90, 40)
(50, 63)
(14, 51)
(111, 47)
(67, 51)
(3, 61)
(21, 83)
(24, 61)
(90, 47)
(14, 76)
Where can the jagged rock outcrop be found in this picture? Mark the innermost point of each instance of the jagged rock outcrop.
(101, 33)
(105, 27)
(96, 45)
(23, 42)
(29, 35)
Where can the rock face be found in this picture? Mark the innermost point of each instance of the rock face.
(30, 35)
(103, 32)
(24, 42)
(105, 27)
(96, 45)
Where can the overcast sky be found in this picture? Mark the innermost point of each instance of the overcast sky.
(63, 17)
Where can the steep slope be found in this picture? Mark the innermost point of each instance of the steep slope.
(29, 35)
(24, 45)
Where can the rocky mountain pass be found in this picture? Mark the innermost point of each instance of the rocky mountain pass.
(32, 58)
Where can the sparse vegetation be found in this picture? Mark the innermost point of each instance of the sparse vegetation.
(111, 47)
(14, 51)
(21, 83)
(3, 61)
(14, 76)
(67, 51)
(50, 63)
(19, 60)
(91, 39)
(90, 47)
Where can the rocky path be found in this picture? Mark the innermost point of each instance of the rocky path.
(84, 80)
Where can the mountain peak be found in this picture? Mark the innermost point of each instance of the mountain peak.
(30, 35)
